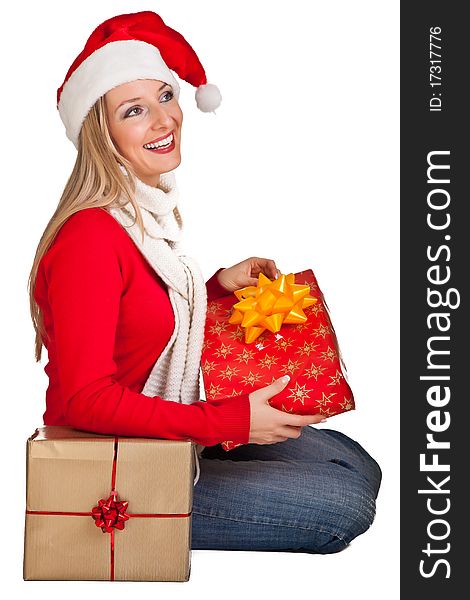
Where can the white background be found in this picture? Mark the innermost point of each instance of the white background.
(300, 164)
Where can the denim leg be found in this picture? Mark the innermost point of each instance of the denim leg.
(313, 494)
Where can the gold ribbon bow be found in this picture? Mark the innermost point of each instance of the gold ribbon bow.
(270, 304)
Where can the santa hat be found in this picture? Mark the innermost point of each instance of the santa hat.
(125, 48)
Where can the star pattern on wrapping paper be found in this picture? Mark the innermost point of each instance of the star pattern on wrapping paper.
(245, 355)
(327, 412)
(214, 390)
(299, 392)
(208, 366)
(325, 399)
(316, 308)
(238, 334)
(314, 371)
(292, 366)
(213, 307)
(224, 350)
(234, 392)
(227, 313)
(336, 379)
(322, 331)
(284, 343)
(268, 361)
(307, 348)
(251, 379)
(286, 410)
(302, 326)
(228, 372)
(218, 327)
(207, 344)
(329, 354)
(311, 285)
(347, 403)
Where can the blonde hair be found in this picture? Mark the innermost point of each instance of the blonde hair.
(96, 181)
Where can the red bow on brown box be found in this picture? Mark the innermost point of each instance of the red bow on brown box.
(276, 328)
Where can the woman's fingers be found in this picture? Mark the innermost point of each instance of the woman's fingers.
(290, 431)
(273, 388)
(246, 273)
(266, 266)
(302, 420)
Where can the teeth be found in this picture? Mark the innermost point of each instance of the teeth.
(162, 143)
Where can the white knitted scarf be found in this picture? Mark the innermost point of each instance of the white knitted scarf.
(175, 375)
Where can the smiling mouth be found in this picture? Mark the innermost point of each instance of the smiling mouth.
(166, 144)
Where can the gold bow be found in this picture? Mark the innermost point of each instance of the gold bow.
(270, 304)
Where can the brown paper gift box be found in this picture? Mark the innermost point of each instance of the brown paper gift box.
(69, 471)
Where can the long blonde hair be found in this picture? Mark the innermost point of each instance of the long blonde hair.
(96, 181)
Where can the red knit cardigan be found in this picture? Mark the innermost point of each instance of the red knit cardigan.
(107, 317)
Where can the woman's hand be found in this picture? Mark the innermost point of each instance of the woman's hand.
(246, 273)
(269, 425)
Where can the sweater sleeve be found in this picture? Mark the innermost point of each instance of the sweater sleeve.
(84, 289)
(214, 289)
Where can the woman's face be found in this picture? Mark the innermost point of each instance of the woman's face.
(144, 112)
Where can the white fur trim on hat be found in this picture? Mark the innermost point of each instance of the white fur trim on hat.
(109, 66)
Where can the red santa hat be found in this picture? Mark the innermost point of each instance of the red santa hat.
(125, 48)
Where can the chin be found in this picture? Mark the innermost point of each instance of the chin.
(173, 162)
(163, 165)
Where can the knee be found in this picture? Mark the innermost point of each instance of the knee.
(356, 511)
(356, 458)
(374, 475)
(347, 510)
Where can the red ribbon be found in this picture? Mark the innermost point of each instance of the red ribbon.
(110, 514)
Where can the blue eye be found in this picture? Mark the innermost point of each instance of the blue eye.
(170, 94)
(128, 113)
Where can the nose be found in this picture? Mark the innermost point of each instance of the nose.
(161, 119)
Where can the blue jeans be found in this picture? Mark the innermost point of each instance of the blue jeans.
(313, 494)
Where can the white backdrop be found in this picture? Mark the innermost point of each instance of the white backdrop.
(306, 143)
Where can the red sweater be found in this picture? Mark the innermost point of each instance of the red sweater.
(108, 317)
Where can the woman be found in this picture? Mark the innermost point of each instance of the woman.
(121, 311)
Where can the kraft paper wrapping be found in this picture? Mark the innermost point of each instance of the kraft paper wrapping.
(70, 470)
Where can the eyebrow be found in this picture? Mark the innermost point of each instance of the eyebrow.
(135, 99)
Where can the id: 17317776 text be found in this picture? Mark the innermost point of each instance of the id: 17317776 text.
(435, 69)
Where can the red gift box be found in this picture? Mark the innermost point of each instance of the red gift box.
(307, 351)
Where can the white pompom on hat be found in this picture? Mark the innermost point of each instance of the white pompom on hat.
(125, 48)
